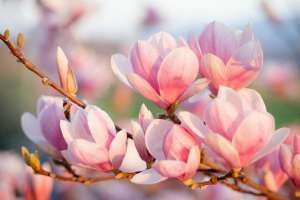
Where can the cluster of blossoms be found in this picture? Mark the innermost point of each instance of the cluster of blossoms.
(233, 128)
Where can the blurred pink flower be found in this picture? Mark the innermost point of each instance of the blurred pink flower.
(138, 132)
(19, 181)
(227, 57)
(282, 79)
(289, 157)
(241, 131)
(152, 17)
(268, 168)
(161, 69)
(93, 142)
(44, 130)
(176, 150)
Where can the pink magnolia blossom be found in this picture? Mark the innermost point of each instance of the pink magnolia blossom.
(176, 150)
(290, 157)
(138, 132)
(161, 69)
(227, 57)
(239, 129)
(93, 142)
(44, 129)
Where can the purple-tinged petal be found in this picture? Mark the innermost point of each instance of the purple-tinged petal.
(145, 117)
(44, 101)
(66, 130)
(285, 158)
(170, 168)
(121, 67)
(193, 124)
(177, 71)
(194, 88)
(219, 40)
(49, 119)
(118, 148)
(278, 137)
(132, 161)
(148, 177)
(296, 144)
(224, 149)
(80, 128)
(139, 140)
(155, 137)
(194, 45)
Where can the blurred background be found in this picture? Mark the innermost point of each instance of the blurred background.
(90, 31)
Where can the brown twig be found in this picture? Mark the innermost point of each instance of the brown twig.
(33, 68)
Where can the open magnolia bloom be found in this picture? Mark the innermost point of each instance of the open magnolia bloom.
(239, 129)
(44, 130)
(176, 150)
(161, 69)
(92, 141)
(227, 57)
(290, 158)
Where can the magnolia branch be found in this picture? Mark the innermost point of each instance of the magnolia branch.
(206, 167)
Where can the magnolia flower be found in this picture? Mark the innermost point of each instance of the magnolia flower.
(290, 158)
(238, 127)
(161, 69)
(229, 58)
(138, 132)
(175, 149)
(93, 142)
(44, 129)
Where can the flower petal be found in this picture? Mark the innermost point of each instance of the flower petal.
(88, 153)
(145, 60)
(164, 42)
(193, 162)
(252, 134)
(118, 148)
(252, 100)
(194, 88)
(155, 137)
(121, 67)
(145, 89)
(170, 168)
(66, 130)
(139, 140)
(285, 158)
(132, 161)
(193, 124)
(31, 128)
(145, 116)
(214, 70)
(49, 119)
(224, 149)
(219, 40)
(177, 71)
(149, 176)
(278, 137)
(244, 66)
